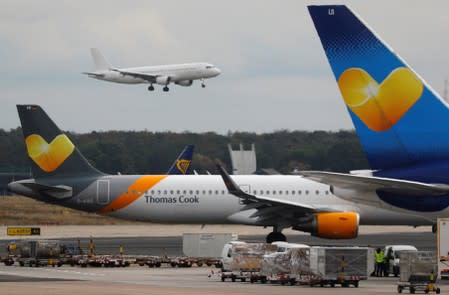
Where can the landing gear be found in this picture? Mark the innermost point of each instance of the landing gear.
(151, 87)
(434, 228)
(165, 89)
(202, 83)
(275, 237)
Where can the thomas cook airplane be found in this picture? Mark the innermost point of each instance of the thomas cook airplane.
(63, 176)
(180, 74)
(401, 122)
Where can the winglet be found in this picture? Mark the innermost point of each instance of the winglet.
(232, 187)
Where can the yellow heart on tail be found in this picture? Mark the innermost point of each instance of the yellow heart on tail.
(380, 106)
(49, 156)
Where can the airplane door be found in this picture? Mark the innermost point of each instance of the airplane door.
(247, 189)
(103, 192)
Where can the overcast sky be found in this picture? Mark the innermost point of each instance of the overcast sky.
(274, 71)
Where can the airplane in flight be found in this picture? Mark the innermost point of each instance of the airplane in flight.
(63, 176)
(402, 123)
(179, 74)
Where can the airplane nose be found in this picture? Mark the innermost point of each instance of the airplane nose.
(217, 71)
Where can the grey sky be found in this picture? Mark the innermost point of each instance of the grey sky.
(274, 71)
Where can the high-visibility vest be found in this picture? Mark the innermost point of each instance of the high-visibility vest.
(379, 257)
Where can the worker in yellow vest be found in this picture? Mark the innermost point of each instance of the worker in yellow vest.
(379, 260)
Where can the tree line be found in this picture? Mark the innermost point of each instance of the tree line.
(140, 152)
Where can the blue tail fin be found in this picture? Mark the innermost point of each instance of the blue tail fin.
(183, 163)
(399, 119)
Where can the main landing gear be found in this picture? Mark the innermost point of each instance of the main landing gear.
(276, 236)
(151, 88)
(165, 89)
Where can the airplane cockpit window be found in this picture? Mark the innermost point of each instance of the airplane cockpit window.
(209, 67)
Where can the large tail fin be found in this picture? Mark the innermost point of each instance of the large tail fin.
(400, 120)
(101, 63)
(183, 163)
(51, 151)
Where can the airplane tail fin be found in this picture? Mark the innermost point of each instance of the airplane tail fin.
(51, 152)
(399, 119)
(101, 63)
(182, 164)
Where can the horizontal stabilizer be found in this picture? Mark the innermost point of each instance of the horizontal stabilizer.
(57, 191)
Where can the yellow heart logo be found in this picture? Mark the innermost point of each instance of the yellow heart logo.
(49, 156)
(380, 106)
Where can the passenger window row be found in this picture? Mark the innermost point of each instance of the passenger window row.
(216, 192)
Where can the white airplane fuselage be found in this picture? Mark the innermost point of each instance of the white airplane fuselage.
(204, 199)
(178, 73)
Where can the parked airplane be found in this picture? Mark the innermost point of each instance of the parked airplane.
(182, 164)
(180, 74)
(401, 122)
(63, 176)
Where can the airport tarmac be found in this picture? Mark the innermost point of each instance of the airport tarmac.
(172, 245)
(144, 280)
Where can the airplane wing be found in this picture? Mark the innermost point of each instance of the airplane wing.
(147, 77)
(271, 208)
(372, 183)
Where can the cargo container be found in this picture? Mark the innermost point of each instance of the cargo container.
(242, 261)
(443, 247)
(332, 266)
(419, 272)
(204, 248)
(39, 252)
(277, 267)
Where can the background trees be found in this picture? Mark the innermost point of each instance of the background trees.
(139, 152)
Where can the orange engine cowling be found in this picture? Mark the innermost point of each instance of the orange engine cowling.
(332, 225)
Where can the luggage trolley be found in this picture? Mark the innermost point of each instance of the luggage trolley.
(418, 272)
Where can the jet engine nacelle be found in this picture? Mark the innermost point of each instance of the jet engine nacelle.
(332, 225)
(185, 82)
(163, 80)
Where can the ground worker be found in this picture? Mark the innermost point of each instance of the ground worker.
(379, 260)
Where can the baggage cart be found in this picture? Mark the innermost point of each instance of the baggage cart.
(419, 271)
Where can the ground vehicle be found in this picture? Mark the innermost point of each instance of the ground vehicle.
(242, 261)
(418, 272)
(277, 267)
(392, 253)
(205, 248)
(39, 252)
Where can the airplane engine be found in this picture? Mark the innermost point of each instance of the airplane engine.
(332, 225)
(163, 80)
(185, 82)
